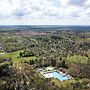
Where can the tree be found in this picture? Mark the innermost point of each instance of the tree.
(20, 54)
(63, 63)
(53, 62)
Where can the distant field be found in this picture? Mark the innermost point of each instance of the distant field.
(15, 56)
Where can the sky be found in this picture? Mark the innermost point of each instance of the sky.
(44, 12)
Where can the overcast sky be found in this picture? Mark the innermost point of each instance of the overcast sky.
(45, 12)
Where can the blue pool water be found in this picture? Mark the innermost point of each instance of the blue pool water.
(59, 76)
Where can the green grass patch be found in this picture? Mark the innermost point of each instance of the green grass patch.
(15, 56)
(25, 58)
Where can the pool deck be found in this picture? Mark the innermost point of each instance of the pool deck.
(55, 74)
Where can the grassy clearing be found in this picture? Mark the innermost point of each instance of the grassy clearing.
(25, 58)
(12, 55)
(15, 56)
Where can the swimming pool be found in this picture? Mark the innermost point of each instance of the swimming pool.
(59, 76)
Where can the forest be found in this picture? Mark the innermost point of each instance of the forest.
(23, 51)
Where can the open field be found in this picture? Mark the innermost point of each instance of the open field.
(15, 56)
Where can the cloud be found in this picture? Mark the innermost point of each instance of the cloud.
(77, 2)
(56, 3)
(45, 11)
(19, 13)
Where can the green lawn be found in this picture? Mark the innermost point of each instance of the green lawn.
(15, 56)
